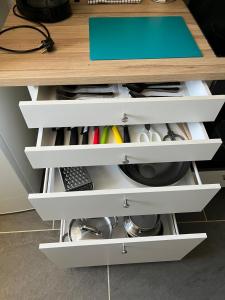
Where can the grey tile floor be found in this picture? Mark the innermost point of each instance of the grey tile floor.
(26, 274)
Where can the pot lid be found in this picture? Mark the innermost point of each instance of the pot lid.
(94, 228)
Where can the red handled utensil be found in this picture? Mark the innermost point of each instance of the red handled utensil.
(96, 138)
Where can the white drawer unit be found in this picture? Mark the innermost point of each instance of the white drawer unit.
(115, 194)
(45, 154)
(123, 250)
(197, 105)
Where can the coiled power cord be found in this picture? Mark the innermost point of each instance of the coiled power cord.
(47, 44)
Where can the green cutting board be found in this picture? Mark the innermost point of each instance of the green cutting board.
(140, 37)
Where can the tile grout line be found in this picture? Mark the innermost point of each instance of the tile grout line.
(108, 280)
(208, 221)
(28, 231)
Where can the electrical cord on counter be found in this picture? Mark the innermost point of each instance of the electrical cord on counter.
(47, 45)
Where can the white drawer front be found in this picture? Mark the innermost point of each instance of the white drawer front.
(113, 154)
(109, 252)
(94, 112)
(196, 105)
(111, 203)
(44, 154)
(112, 189)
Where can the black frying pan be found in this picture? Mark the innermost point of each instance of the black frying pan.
(157, 174)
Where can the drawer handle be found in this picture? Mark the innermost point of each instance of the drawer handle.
(126, 160)
(124, 250)
(124, 118)
(126, 204)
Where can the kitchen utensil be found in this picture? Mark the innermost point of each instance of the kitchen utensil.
(122, 38)
(105, 135)
(76, 179)
(157, 84)
(60, 136)
(94, 228)
(85, 134)
(185, 130)
(149, 135)
(117, 135)
(74, 88)
(96, 135)
(156, 174)
(139, 95)
(140, 87)
(74, 136)
(126, 134)
(72, 96)
(171, 135)
(148, 225)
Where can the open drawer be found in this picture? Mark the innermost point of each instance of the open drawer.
(196, 104)
(115, 194)
(46, 155)
(123, 250)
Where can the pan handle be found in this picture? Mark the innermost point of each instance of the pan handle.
(116, 220)
(91, 229)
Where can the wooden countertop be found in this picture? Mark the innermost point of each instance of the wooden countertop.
(70, 63)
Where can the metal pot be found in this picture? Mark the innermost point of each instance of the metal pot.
(143, 225)
(94, 228)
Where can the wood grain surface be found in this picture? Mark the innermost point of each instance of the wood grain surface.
(70, 63)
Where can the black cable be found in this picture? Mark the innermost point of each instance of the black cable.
(47, 44)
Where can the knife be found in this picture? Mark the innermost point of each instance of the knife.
(117, 135)
(96, 135)
(85, 133)
(59, 141)
(74, 137)
(105, 135)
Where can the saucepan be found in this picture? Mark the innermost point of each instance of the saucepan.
(139, 226)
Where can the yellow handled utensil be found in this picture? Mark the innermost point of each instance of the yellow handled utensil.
(117, 135)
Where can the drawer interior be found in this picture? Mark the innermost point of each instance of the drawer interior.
(188, 88)
(119, 91)
(168, 222)
(47, 136)
(112, 178)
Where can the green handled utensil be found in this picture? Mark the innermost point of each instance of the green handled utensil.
(105, 135)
